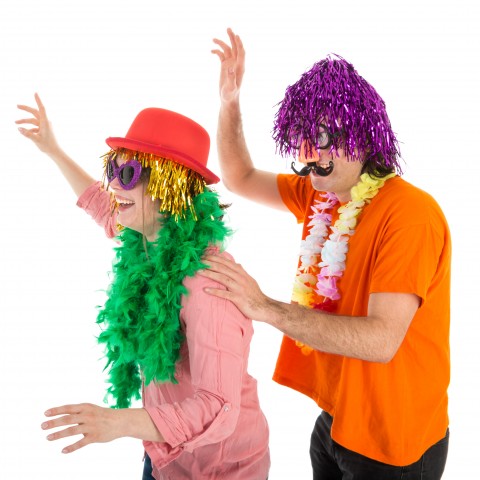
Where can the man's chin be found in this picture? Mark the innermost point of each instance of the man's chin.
(321, 184)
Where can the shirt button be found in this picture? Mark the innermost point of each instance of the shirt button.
(225, 408)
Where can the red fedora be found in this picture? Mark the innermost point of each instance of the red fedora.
(170, 135)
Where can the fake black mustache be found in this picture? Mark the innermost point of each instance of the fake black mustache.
(323, 172)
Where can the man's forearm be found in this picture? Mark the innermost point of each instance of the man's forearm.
(235, 160)
(364, 338)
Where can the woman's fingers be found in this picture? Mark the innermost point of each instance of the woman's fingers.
(35, 112)
(32, 121)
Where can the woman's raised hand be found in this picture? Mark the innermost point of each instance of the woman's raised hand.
(41, 133)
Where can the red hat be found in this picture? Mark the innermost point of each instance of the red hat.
(170, 135)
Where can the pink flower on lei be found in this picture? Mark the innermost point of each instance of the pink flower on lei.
(327, 287)
(326, 254)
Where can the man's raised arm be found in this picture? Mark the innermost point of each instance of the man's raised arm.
(238, 172)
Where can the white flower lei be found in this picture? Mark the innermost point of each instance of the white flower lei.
(322, 259)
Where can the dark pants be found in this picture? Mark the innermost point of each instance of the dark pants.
(147, 469)
(331, 461)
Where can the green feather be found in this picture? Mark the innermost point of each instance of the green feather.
(140, 319)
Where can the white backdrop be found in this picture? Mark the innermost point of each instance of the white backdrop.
(96, 65)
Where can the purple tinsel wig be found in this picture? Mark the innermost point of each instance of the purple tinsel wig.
(333, 93)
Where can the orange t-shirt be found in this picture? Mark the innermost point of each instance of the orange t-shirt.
(389, 412)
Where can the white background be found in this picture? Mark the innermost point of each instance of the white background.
(96, 65)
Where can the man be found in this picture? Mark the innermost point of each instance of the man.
(367, 332)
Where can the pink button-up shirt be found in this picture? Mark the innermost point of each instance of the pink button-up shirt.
(211, 420)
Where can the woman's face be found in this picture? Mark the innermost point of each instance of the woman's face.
(136, 210)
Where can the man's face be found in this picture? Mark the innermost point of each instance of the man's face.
(345, 174)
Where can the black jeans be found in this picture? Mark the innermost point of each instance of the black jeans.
(147, 469)
(331, 461)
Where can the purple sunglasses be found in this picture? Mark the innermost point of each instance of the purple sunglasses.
(128, 174)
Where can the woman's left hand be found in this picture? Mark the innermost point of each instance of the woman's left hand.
(96, 424)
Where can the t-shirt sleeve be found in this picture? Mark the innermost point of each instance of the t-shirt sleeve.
(295, 192)
(215, 331)
(408, 257)
(97, 202)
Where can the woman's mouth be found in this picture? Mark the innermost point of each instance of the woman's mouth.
(123, 203)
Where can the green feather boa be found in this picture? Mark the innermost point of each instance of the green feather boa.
(142, 334)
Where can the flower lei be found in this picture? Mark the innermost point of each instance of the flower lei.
(142, 334)
(322, 259)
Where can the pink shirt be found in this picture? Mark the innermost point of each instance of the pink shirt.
(211, 420)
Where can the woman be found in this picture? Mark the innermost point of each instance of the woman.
(186, 351)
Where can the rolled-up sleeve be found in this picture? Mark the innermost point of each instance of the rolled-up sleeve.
(218, 337)
(97, 202)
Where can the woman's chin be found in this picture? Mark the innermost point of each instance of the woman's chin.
(124, 219)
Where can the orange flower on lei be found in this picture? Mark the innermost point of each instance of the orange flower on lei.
(323, 253)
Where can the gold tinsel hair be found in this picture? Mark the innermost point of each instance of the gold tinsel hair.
(172, 183)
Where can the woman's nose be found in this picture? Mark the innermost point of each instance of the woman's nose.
(115, 184)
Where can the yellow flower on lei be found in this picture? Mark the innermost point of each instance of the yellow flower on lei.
(326, 271)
